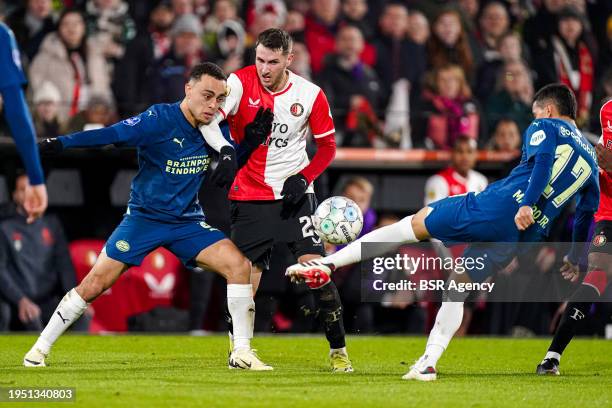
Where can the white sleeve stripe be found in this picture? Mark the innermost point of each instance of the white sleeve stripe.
(232, 102)
(324, 134)
(213, 136)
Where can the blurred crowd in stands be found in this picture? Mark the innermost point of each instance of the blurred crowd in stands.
(412, 73)
(455, 75)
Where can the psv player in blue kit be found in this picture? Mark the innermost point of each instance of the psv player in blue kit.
(20, 123)
(557, 164)
(163, 209)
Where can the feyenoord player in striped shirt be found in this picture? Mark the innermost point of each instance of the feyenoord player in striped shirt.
(272, 197)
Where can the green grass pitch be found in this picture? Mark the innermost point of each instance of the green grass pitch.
(179, 371)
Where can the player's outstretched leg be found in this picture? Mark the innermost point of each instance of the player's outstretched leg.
(101, 277)
(576, 311)
(224, 258)
(316, 273)
(327, 300)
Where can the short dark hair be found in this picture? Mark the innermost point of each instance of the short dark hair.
(275, 39)
(463, 138)
(13, 178)
(505, 119)
(560, 95)
(207, 68)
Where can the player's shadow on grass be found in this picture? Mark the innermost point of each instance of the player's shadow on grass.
(510, 375)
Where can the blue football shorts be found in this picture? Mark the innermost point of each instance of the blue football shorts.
(136, 237)
(486, 223)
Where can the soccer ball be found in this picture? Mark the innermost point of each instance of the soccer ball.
(338, 220)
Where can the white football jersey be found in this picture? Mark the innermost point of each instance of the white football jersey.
(300, 110)
(448, 182)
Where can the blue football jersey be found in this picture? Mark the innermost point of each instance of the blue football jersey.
(574, 173)
(11, 72)
(172, 159)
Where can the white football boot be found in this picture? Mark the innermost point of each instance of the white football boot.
(247, 359)
(421, 371)
(34, 358)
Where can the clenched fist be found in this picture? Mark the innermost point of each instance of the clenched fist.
(524, 218)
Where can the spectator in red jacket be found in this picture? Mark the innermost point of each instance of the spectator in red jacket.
(321, 26)
(320, 33)
(574, 60)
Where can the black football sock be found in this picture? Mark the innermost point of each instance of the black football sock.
(328, 302)
(575, 314)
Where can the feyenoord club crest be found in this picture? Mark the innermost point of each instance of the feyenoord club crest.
(599, 240)
(296, 109)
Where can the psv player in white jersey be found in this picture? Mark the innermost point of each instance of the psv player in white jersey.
(272, 198)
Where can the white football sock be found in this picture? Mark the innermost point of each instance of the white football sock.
(70, 308)
(552, 354)
(392, 235)
(242, 309)
(448, 320)
(341, 350)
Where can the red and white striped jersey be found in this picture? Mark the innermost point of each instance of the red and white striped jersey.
(449, 183)
(300, 110)
(604, 212)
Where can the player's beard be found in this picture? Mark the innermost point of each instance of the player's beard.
(283, 79)
(276, 85)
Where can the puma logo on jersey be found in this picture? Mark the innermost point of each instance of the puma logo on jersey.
(179, 142)
(254, 103)
(609, 126)
(537, 138)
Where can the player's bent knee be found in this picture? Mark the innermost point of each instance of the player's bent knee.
(455, 293)
(418, 224)
(90, 288)
(102, 276)
(237, 270)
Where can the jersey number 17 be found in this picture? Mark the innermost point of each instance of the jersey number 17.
(580, 171)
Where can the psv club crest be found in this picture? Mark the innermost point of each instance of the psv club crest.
(296, 109)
